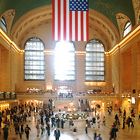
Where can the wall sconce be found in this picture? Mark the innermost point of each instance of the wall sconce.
(133, 100)
(123, 96)
(128, 96)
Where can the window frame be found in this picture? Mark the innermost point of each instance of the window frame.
(43, 79)
(126, 27)
(3, 24)
(101, 64)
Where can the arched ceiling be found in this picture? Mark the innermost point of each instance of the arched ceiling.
(100, 27)
(109, 8)
(33, 15)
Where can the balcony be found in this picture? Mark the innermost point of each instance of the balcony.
(6, 96)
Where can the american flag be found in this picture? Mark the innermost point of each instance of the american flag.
(70, 20)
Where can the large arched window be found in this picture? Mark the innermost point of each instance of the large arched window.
(127, 28)
(64, 61)
(34, 60)
(94, 61)
(3, 24)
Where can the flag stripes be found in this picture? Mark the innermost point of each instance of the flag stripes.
(67, 24)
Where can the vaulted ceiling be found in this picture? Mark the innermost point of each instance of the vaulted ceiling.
(109, 8)
(30, 14)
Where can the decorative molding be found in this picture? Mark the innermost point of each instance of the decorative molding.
(32, 19)
(8, 43)
(103, 29)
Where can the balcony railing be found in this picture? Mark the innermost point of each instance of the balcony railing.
(62, 96)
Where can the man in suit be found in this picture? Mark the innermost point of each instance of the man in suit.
(57, 134)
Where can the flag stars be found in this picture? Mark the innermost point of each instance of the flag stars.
(78, 5)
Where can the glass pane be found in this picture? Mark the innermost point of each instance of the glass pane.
(127, 28)
(3, 25)
(94, 61)
(34, 60)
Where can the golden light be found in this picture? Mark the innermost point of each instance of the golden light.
(49, 87)
(71, 104)
(103, 104)
(127, 39)
(4, 106)
(91, 106)
(92, 102)
(80, 53)
(48, 52)
(123, 96)
(128, 96)
(9, 41)
(95, 83)
(133, 100)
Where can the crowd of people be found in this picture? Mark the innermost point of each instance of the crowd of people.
(47, 119)
(16, 117)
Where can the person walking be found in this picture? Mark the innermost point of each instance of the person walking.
(94, 136)
(21, 130)
(42, 129)
(99, 137)
(27, 131)
(128, 121)
(104, 121)
(38, 128)
(113, 131)
(0, 122)
(58, 122)
(86, 129)
(123, 124)
(48, 129)
(62, 123)
(57, 134)
(5, 132)
(94, 122)
(53, 121)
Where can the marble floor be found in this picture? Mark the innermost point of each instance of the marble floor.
(67, 134)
